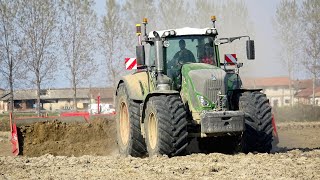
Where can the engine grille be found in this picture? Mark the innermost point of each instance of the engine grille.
(209, 82)
(213, 89)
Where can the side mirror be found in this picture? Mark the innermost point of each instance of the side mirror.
(250, 50)
(140, 55)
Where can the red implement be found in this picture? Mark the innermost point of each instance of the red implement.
(275, 133)
(14, 137)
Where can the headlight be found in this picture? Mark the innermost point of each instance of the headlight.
(169, 33)
(166, 33)
(214, 31)
(172, 33)
(211, 31)
(203, 101)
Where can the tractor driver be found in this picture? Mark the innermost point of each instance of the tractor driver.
(208, 55)
(184, 55)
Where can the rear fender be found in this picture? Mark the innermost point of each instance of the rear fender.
(137, 85)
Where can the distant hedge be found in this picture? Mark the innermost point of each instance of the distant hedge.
(297, 113)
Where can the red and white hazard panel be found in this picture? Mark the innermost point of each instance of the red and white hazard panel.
(230, 59)
(131, 63)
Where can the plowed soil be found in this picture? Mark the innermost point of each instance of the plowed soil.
(74, 139)
(297, 156)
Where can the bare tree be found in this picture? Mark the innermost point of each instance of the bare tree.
(287, 28)
(37, 21)
(10, 45)
(77, 34)
(112, 37)
(310, 13)
(174, 14)
(228, 24)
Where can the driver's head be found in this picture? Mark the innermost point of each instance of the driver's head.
(182, 44)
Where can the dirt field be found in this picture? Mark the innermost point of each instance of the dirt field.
(63, 139)
(297, 157)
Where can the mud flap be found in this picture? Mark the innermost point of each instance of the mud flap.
(274, 132)
(222, 122)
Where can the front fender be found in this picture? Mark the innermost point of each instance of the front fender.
(155, 93)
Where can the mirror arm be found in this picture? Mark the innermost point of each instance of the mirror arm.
(231, 39)
(238, 37)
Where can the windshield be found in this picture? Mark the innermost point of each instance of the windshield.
(189, 49)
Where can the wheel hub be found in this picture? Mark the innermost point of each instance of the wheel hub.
(152, 131)
(124, 123)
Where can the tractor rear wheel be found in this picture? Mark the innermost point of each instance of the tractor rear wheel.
(258, 122)
(165, 125)
(129, 137)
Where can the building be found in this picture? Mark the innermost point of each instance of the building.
(3, 105)
(276, 88)
(305, 96)
(56, 99)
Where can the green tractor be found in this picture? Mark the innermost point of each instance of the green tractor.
(182, 91)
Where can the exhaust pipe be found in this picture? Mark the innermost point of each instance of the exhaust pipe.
(163, 82)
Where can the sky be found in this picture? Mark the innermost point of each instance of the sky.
(267, 62)
(261, 12)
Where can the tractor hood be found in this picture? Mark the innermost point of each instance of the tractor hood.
(207, 81)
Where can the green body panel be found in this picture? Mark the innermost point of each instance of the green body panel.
(189, 93)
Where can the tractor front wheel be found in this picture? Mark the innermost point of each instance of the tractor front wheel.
(165, 125)
(258, 122)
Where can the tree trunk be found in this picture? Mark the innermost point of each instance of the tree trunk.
(38, 94)
(11, 89)
(75, 98)
(313, 88)
(290, 88)
(74, 88)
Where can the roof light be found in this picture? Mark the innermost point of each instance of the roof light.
(172, 33)
(213, 18)
(169, 33)
(138, 26)
(212, 31)
(145, 21)
(166, 33)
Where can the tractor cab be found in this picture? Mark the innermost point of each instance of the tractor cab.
(184, 46)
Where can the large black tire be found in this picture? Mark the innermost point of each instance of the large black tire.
(129, 137)
(258, 122)
(165, 126)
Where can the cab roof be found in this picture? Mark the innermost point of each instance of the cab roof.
(183, 31)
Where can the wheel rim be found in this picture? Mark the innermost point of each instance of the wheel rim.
(124, 123)
(152, 130)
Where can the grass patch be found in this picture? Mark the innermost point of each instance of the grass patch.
(298, 113)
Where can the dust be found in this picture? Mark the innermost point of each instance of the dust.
(72, 139)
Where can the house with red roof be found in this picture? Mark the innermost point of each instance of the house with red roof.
(281, 91)
(277, 89)
(305, 96)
